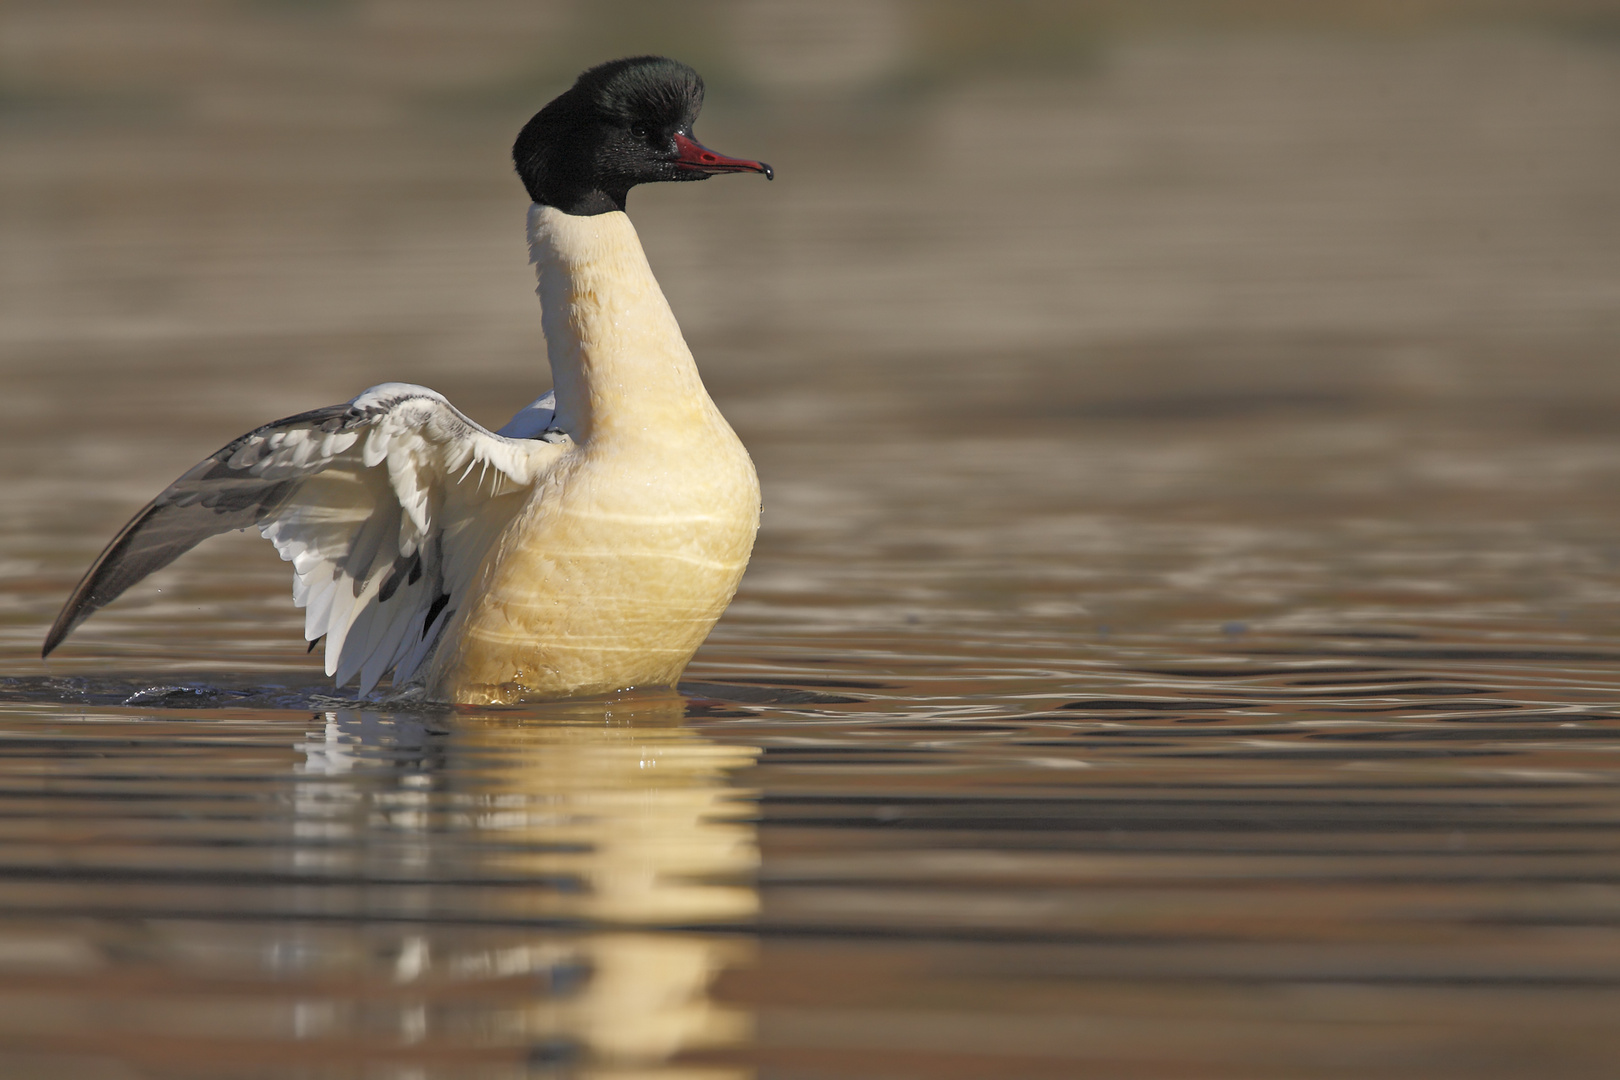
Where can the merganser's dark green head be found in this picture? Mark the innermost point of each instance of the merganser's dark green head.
(622, 123)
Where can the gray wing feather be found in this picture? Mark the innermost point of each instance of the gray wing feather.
(534, 420)
(210, 499)
(368, 503)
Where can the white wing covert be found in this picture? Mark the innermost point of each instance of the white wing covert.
(385, 507)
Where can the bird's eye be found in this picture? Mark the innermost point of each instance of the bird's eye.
(639, 131)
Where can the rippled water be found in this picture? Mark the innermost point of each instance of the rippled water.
(1224, 682)
(1079, 789)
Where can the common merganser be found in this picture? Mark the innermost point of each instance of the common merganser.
(587, 546)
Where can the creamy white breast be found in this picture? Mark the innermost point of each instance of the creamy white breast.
(632, 545)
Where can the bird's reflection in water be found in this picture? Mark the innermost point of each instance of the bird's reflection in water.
(557, 883)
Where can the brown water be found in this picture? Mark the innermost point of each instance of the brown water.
(1182, 641)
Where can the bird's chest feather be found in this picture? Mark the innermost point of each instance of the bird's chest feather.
(637, 531)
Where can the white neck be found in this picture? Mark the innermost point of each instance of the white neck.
(617, 355)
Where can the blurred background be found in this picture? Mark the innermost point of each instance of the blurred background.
(986, 213)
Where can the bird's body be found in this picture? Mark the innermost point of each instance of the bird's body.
(588, 546)
(630, 545)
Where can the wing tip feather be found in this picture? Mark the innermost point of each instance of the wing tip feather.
(60, 629)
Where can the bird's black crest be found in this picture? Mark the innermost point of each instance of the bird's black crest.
(613, 129)
(645, 87)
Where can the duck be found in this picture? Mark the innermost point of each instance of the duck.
(590, 544)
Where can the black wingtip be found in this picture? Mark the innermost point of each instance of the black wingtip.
(71, 615)
(91, 593)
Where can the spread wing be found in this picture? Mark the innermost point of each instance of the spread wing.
(385, 507)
